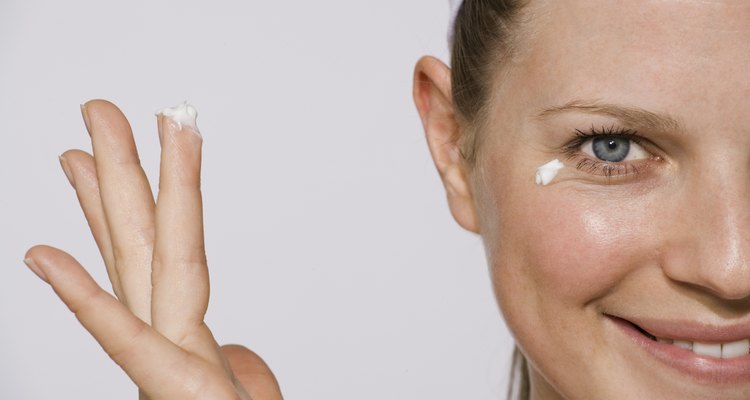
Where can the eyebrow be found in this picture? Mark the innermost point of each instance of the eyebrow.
(633, 117)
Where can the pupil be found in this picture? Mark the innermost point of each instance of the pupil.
(611, 149)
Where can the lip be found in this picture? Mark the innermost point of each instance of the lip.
(700, 368)
(691, 331)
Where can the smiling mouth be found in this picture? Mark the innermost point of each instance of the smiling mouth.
(706, 354)
(724, 350)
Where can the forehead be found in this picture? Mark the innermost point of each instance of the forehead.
(673, 55)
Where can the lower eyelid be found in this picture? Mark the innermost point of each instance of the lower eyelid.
(610, 170)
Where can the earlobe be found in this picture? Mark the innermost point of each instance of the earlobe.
(432, 96)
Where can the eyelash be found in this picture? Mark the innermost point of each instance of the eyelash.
(585, 163)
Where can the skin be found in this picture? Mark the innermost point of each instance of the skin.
(155, 258)
(670, 242)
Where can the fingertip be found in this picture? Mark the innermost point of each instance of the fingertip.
(248, 366)
(100, 106)
(67, 170)
(72, 154)
(244, 360)
(160, 127)
(96, 104)
(85, 115)
(37, 258)
(93, 109)
(182, 117)
(102, 114)
(78, 164)
(79, 161)
(35, 269)
(45, 257)
(39, 252)
(238, 349)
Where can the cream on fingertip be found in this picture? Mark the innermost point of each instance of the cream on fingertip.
(547, 172)
(183, 114)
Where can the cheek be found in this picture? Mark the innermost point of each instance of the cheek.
(565, 247)
(584, 248)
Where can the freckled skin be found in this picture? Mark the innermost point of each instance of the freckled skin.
(671, 242)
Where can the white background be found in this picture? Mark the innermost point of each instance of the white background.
(331, 248)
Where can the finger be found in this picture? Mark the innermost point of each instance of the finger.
(156, 365)
(81, 170)
(180, 275)
(126, 199)
(252, 373)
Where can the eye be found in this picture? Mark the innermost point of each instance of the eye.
(611, 151)
(614, 149)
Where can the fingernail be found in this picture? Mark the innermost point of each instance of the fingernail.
(85, 115)
(35, 269)
(182, 116)
(66, 170)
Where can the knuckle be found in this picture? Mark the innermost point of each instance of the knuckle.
(194, 259)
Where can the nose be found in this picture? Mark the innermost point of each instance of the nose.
(715, 245)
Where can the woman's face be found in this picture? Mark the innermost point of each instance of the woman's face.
(647, 225)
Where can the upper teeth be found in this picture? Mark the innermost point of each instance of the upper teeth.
(718, 350)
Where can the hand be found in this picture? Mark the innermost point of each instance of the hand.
(155, 259)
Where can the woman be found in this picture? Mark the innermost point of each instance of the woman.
(622, 275)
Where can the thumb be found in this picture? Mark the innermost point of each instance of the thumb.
(252, 372)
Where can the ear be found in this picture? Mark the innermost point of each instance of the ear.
(432, 95)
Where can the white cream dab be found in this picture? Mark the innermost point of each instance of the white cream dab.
(547, 172)
(182, 114)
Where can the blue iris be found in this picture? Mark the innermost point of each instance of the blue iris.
(611, 148)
